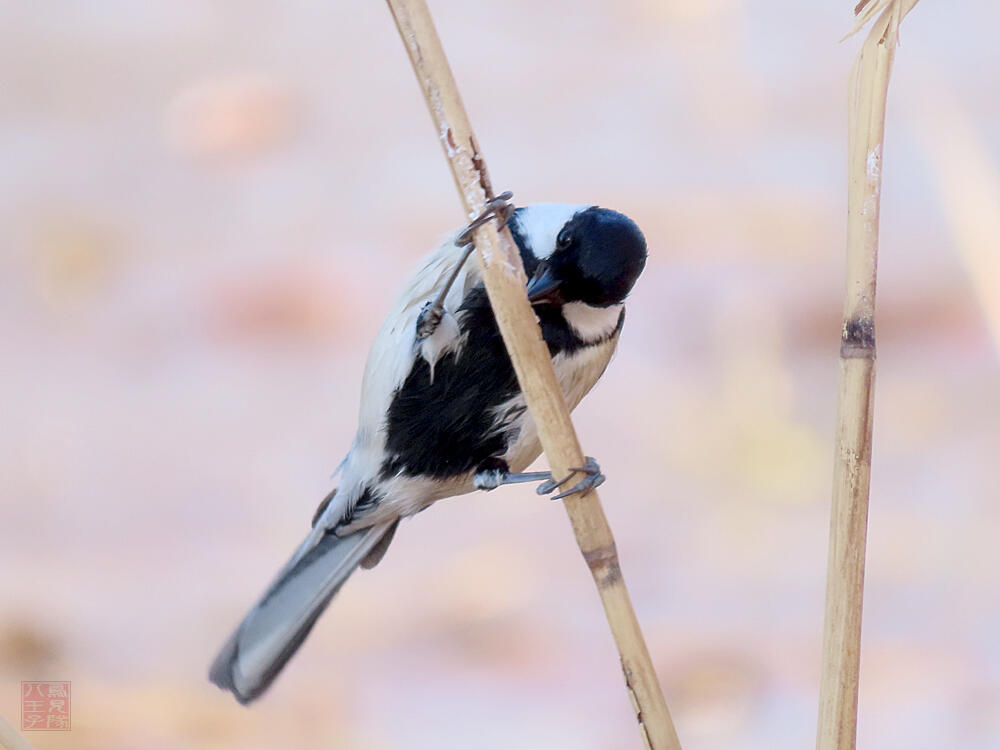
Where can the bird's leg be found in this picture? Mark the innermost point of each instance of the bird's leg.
(494, 472)
(432, 312)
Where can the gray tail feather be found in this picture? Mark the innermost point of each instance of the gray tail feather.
(276, 626)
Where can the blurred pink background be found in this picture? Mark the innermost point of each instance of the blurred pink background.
(207, 207)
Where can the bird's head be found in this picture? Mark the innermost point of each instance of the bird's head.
(595, 257)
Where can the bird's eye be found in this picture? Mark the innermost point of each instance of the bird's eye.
(564, 240)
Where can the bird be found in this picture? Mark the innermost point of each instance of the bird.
(442, 413)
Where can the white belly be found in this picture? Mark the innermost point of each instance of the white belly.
(577, 373)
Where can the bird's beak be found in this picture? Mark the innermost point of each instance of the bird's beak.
(544, 287)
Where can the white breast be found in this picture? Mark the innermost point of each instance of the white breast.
(577, 373)
(591, 323)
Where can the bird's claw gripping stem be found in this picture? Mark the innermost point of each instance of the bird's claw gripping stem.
(498, 207)
(594, 478)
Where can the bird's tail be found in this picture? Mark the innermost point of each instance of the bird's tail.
(276, 626)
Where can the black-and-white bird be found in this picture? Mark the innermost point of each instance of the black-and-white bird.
(442, 413)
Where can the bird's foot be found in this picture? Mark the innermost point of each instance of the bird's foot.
(498, 208)
(494, 472)
(594, 478)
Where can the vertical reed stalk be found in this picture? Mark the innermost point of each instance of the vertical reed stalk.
(505, 282)
(869, 86)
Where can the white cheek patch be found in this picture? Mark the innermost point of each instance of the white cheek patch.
(540, 224)
(591, 323)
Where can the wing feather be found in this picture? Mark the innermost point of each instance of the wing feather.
(390, 361)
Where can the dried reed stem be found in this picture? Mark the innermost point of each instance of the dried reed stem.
(868, 89)
(11, 739)
(505, 281)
